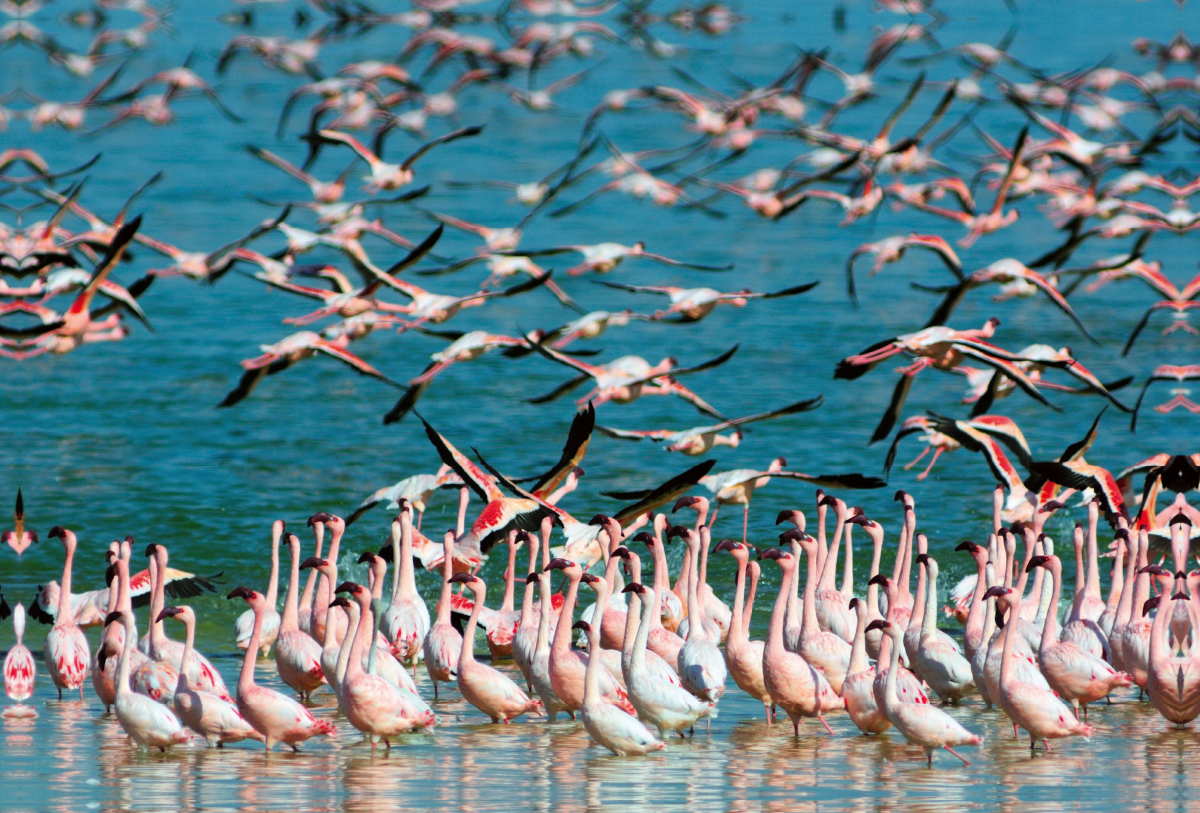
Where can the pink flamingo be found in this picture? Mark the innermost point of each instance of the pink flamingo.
(443, 643)
(664, 642)
(611, 726)
(147, 722)
(245, 621)
(484, 687)
(1073, 673)
(1135, 637)
(277, 717)
(743, 657)
(921, 724)
(406, 620)
(910, 690)
(858, 687)
(386, 665)
(567, 666)
(19, 670)
(1116, 635)
(373, 705)
(793, 684)
(1037, 710)
(1081, 627)
(204, 676)
(105, 681)
(297, 654)
(652, 662)
(700, 665)
(942, 666)
(525, 639)
(539, 665)
(321, 614)
(504, 625)
(66, 652)
(213, 717)
(823, 650)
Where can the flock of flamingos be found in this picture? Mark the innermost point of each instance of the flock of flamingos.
(654, 658)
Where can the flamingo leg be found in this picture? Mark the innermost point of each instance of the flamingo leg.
(745, 522)
(936, 454)
(821, 717)
(918, 458)
(960, 756)
(767, 709)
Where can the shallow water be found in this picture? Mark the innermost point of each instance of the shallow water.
(123, 439)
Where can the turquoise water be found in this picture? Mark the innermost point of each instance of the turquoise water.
(124, 438)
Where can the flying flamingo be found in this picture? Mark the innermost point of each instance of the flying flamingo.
(385, 176)
(608, 724)
(213, 717)
(66, 652)
(277, 717)
(245, 622)
(483, 686)
(19, 670)
(297, 654)
(921, 724)
(892, 249)
(147, 722)
(18, 538)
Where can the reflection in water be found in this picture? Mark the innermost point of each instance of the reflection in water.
(74, 757)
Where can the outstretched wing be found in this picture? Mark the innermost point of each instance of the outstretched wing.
(572, 455)
(483, 484)
(671, 490)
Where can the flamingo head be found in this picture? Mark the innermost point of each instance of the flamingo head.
(350, 587)
(997, 592)
(878, 624)
(852, 604)
(645, 537)
(169, 612)
(582, 625)
(1156, 570)
(621, 552)
(242, 592)
(312, 562)
(922, 558)
(685, 502)
(879, 579)
(558, 563)
(463, 578)
(320, 516)
(1150, 604)
(774, 553)
(676, 531)
(727, 544)
(634, 587)
(366, 557)
(966, 545)
(58, 531)
(115, 615)
(1036, 561)
(340, 601)
(151, 549)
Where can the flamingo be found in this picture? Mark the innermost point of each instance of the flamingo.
(245, 622)
(1173, 682)
(443, 643)
(66, 652)
(372, 704)
(297, 654)
(406, 620)
(504, 624)
(567, 666)
(105, 681)
(610, 725)
(1037, 710)
(663, 642)
(204, 676)
(652, 662)
(1075, 674)
(484, 687)
(858, 685)
(385, 176)
(539, 665)
(18, 538)
(277, 717)
(147, 722)
(321, 614)
(923, 725)
(700, 665)
(910, 690)
(386, 664)
(942, 666)
(832, 604)
(661, 702)
(20, 671)
(743, 657)
(154, 678)
(213, 717)
(793, 684)
(824, 651)
(1135, 637)
(304, 610)
(1081, 627)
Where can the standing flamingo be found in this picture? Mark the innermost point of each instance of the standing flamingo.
(921, 724)
(858, 687)
(147, 722)
(277, 717)
(613, 727)
(1037, 710)
(443, 643)
(406, 620)
(297, 654)
(743, 657)
(19, 670)
(213, 717)
(374, 706)
(539, 665)
(484, 687)
(946, 671)
(793, 684)
(662, 703)
(1074, 674)
(66, 652)
(700, 665)
(245, 621)
(825, 651)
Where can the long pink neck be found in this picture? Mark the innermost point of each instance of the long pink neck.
(736, 632)
(246, 677)
(775, 631)
(273, 584)
(829, 565)
(189, 642)
(66, 618)
(310, 584)
(290, 620)
(748, 612)
(510, 576)
(973, 630)
(320, 609)
(354, 667)
(1131, 561)
(157, 635)
(467, 654)
(1049, 638)
(443, 609)
(562, 632)
(810, 625)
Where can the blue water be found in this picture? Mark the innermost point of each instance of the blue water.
(124, 438)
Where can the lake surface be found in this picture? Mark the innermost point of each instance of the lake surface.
(124, 438)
